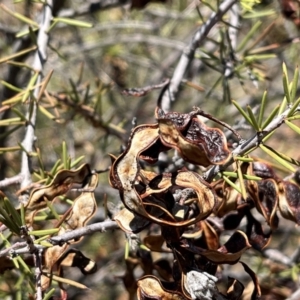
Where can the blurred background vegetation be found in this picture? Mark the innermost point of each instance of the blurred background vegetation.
(111, 46)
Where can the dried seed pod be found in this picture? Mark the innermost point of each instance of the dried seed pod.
(60, 184)
(125, 168)
(265, 196)
(83, 209)
(150, 287)
(229, 253)
(289, 201)
(195, 142)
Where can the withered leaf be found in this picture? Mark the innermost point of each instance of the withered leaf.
(205, 200)
(83, 209)
(289, 201)
(150, 287)
(234, 289)
(60, 184)
(74, 258)
(211, 237)
(155, 243)
(263, 170)
(229, 253)
(265, 196)
(164, 269)
(256, 291)
(231, 198)
(257, 238)
(130, 222)
(195, 142)
(125, 168)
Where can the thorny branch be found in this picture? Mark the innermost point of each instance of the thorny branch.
(75, 234)
(232, 33)
(38, 64)
(188, 53)
(247, 145)
(22, 247)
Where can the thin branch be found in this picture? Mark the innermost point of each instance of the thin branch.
(87, 230)
(295, 295)
(277, 256)
(38, 64)
(20, 248)
(189, 51)
(38, 274)
(13, 248)
(247, 145)
(233, 30)
(17, 179)
(234, 14)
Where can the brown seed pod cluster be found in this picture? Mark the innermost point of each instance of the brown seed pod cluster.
(180, 209)
(55, 257)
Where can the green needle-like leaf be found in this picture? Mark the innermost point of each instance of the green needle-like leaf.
(232, 184)
(13, 212)
(253, 119)
(270, 117)
(22, 212)
(282, 106)
(294, 84)
(24, 32)
(285, 157)
(77, 161)
(30, 86)
(15, 55)
(262, 109)
(43, 232)
(294, 107)
(8, 221)
(274, 155)
(286, 88)
(244, 114)
(10, 86)
(241, 181)
(11, 121)
(26, 269)
(68, 281)
(285, 71)
(245, 159)
(65, 155)
(73, 22)
(46, 113)
(49, 294)
(297, 117)
(256, 57)
(248, 36)
(293, 126)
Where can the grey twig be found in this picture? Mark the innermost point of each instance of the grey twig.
(234, 22)
(20, 248)
(189, 51)
(89, 229)
(38, 64)
(277, 256)
(13, 248)
(38, 274)
(17, 179)
(295, 295)
(233, 30)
